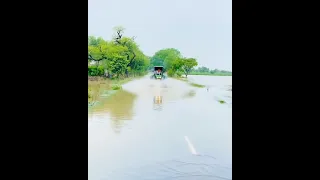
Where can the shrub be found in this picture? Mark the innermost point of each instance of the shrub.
(170, 73)
(179, 73)
(95, 71)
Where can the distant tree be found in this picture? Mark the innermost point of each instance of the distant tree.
(203, 69)
(170, 58)
(187, 65)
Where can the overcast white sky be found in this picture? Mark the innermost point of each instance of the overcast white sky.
(197, 28)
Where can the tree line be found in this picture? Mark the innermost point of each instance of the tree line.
(122, 57)
(206, 71)
(173, 62)
(119, 57)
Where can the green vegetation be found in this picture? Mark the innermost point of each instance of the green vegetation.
(114, 62)
(117, 58)
(121, 58)
(206, 71)
(95, 71)
(116, 87)
(174, 63)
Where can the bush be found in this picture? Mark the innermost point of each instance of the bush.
(95, 71)
(179, 73)
(170, 73)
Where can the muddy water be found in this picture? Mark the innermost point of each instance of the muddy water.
(162, 129)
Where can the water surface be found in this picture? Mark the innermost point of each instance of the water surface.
(140, 132)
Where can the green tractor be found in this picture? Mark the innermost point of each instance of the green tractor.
(158, 73)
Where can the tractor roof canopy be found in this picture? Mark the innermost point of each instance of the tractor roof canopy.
(158, 67)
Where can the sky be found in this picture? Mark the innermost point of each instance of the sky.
(200, 29)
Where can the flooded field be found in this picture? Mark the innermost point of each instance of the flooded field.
(162, 130)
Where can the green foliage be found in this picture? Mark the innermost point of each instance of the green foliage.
(207, 71)
(95, 71)
(120, 56)
(97, 49)
(170, 72)
(94, 41)
(188, 64)
(118, 64)
(164, 57)
(116, 87)
(173, 62)
(179, 73)
(170, 58)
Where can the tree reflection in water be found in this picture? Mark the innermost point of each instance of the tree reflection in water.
(119, 106)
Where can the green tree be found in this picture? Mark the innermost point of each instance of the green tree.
(203, 69)
(121, 55)
(169, 58)
(94, 41)
(97, 51)
(130, 44)
(118, 65)
(187, 65)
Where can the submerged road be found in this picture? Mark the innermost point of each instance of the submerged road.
(162, 130)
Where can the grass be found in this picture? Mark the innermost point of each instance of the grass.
(222, 101)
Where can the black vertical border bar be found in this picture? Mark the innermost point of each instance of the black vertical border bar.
(250, 81)
(50, 106)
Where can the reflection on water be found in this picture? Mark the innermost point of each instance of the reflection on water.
(157, 103)
(95, 89)
(119, 108)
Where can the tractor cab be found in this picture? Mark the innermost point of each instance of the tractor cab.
(158, 72)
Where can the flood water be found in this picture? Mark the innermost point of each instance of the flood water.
(162, 130)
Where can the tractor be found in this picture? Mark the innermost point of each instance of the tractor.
(158, 73)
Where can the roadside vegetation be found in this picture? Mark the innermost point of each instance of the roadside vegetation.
(113, 62)
(118, 58)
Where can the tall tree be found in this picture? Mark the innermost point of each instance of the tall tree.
(129, 43)
(97, 49)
